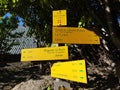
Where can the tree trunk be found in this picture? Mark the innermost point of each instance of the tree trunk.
(114, 38)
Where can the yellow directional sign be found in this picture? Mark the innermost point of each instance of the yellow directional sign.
(72, 70)
(59, 17)
(42, 54)
(74, 35)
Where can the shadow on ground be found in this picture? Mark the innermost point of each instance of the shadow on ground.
(9, 78)
(13, 77)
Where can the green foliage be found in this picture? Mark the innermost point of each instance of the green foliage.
(7, 34)
(90, 14)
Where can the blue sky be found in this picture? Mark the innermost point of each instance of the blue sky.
(20, 20)
(119, 19)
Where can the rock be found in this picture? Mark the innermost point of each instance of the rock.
(35, 84)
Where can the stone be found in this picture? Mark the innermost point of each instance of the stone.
(34, 84)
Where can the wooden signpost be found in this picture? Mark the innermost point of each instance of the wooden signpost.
(72, 70)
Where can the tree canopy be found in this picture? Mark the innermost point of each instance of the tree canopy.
(97, 14)
(7, 33)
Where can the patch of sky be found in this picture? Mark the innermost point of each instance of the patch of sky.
(8, 15)
(119, 20)
(20, 20)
